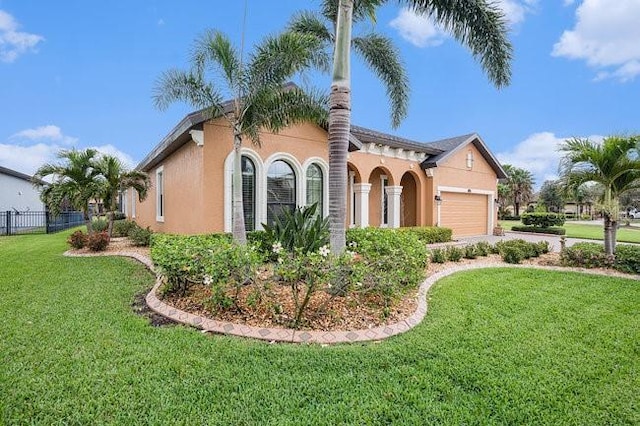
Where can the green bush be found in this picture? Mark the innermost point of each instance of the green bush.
(140, 237)
(470, 252)
(543, 219)
(510, 217)
(483, 248)
(262, 242)
(438, 255)
(77, 240)
(119, 216)
(526, 249)
(99, 224)
(454, 253)
(539, 230)
(627, 258)
(121, 228)
(98, 241)
(299, 230)
(430, 234)
(512, 254)
(542, 247)
(586, 255)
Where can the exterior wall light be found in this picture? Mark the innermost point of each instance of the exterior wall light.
(438, 199)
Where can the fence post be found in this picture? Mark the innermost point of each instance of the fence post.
(46, 221)
(8, 222)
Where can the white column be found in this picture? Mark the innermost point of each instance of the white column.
(393, 200)
(362, 204)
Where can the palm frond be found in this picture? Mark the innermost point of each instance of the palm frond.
(214, 51)
(480, 25)
(311, 23)
(384, 60)
(176, 85)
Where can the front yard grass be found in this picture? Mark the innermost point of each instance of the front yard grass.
(588, 232)
(507, 346)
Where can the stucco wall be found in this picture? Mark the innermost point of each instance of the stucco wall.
(18, 194)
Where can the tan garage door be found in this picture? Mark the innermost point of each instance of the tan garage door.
(466, 214)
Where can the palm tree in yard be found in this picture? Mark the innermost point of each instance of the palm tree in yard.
(520, 183)
(614, 164)
(478, 24)
(116, 178)
(74, 180)
(257, 87)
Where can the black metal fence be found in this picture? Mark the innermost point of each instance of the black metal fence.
(30, 222)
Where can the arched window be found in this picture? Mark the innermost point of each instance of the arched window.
(281, 190)
(249, 193)
(314, 187)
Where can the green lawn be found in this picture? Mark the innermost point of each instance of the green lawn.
(590, 232)
(500, 346)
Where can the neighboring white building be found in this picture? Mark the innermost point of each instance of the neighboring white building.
(17, 192)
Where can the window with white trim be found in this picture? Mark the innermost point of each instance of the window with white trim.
(315, 188)
(281, 190)
(133, 202)
(249, 193)
(160, 194)
(384, 182)
(352, 198)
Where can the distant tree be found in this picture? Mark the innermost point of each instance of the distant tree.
(75, 180)
(257, 87)
(116, 178)
(520, 183)
(503, 199)
(614, 164)
(552, 196)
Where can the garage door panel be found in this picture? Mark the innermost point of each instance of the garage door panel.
(467, 214)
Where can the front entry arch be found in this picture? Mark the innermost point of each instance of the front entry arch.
(408, 201)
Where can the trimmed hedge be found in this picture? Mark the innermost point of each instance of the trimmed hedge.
(628, 259)
(508, 217)
(586, 255)
(543, 220)
(430, 234)
(538, 230)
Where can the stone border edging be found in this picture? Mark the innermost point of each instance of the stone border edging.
(313, 336)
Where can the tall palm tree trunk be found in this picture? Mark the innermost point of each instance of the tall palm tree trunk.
(340, 127)
(608, 241)
(239, 229)
(86, 212)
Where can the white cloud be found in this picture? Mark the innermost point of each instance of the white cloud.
(568, 2)
(538, 154)
(45, 133)
(421, 31)
(606, 36)
(29, 149)
(13, 43)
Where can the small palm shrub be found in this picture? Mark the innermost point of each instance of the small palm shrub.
(77, 240)
(438, 255)
(454, 253)
(98, 241)
(300, 230)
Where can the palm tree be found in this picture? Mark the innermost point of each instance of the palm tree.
(614, 164)
(520, 183)
(257, 87)
(478, 24)
(116, 178)
(75, 180)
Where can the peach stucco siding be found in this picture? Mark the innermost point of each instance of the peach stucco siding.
(197, 179)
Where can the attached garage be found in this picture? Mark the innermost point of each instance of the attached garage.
(466, 214)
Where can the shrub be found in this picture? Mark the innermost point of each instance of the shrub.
(119, 216)
(301, 230)
(454, 253)
(512, 254)
(526, 249)
(539, 230)
(140, 237)
(438, 255)
(396, 259)
(508, 217)
(121, 228)
(586, 255)
(483, 248)
(628, 259)
(430, 234)
(262, 242)
(98, 241)
(542, 247)
(543, 219)
(99, 224)
(470, 252)
(77, 240)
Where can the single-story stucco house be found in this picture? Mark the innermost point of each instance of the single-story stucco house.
(17, 192)
(393, 182)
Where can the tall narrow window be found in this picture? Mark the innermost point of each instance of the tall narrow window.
(384, 182)
(249, 193)
(281, 190)
(160, 194)
(133, 202)
(314, 188)
(352, 199)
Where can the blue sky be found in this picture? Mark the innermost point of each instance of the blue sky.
(80, 73)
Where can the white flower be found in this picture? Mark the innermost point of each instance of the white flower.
(353, 244)
(208, 279)
(329, 286)
(324, 251)
(280, 260)
(351, 253)
(276, 247)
